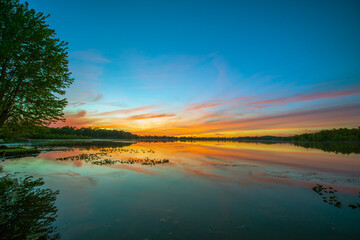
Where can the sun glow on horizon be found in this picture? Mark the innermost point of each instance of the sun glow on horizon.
(237, 76)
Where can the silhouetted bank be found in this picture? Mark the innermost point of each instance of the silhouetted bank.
(341, 134)
(79, 133)
(17, 152)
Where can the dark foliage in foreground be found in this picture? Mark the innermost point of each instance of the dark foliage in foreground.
(33, 69)
(27, 211)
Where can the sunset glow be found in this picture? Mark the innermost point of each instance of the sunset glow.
(155, 69)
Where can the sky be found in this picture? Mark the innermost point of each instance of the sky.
(210, 68)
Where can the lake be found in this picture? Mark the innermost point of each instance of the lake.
(198, 190)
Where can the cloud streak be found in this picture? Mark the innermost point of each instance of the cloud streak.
(148, 116)
(302, 98)
(216, 103)
(89, 56)
(126, 111)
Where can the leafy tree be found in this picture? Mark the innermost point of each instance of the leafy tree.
(341, 134)
(27, 209)
(33, 68)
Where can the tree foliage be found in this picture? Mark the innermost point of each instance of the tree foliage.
(27, 209)
(73, 133)
(341, 134)
(33, 68)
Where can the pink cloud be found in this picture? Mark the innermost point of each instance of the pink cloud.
(80, 114)
(126, 111)
(303, 98)
(215, 103)
(147, 116)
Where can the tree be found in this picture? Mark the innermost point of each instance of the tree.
(27, 209)
(33, 68)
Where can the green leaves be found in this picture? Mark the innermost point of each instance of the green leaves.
(33, 67)
(27, 210)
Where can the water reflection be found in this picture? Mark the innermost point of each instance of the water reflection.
(208, 190)
(27, 210)
(337, 147)
(237, 162)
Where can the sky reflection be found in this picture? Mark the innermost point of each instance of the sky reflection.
(211, 189)
(236, 162)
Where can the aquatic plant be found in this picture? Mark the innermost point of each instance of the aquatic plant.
(84, 156)
(329, 195)
(126, 150)
(97, 159)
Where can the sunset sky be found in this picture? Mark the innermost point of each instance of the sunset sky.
(210, 68)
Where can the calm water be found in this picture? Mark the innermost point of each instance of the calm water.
(207, 190)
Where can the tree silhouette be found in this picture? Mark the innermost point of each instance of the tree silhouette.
(27, 211)
(33, 68)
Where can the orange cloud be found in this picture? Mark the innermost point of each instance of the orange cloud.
(288, 123)
(232, 119)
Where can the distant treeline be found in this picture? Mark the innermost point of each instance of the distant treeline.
(170, 138)
(76, 133)
(341, 134)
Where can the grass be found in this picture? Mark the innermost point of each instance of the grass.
(18, 151)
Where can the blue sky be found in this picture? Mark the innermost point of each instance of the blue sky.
(144, 66)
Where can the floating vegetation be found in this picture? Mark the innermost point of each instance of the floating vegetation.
(148, 161)
(356, 205)
(97, 159)
(329, 195)
(127, 150)
(104, 162)
(84, 156)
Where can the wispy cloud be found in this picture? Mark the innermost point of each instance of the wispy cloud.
(80, 98)
(126, 111)
(89, 56)
(147, 116)
(215, 103)
(78, 114)
(151, 95)
(302, 98)
(291, 122)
